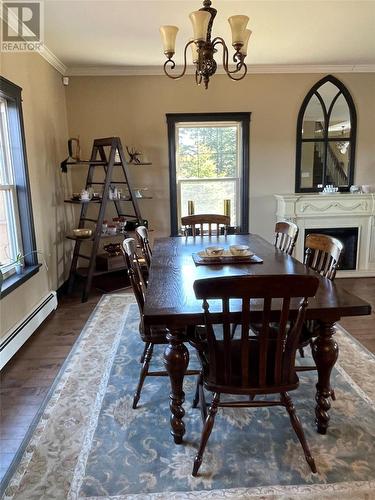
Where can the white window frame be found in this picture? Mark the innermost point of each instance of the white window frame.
(239, 166)
(9, 190)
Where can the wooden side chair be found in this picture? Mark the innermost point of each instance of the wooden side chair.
(194, 224)
(143, 239)
(150, 336)
(322, 254)
(286, 234)
(251, 365)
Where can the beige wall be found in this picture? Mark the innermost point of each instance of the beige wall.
(44, 111)
(134, 108)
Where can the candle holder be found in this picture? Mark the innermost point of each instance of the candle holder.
(190, 207)
(227, 207)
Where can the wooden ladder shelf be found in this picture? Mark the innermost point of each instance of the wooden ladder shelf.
(103, 155)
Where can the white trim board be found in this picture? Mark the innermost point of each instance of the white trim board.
(17, 335)
(53, 60)
(252, 69)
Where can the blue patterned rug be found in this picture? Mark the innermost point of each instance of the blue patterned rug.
(126, 453)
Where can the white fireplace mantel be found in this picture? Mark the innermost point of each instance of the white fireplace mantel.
(340, 210)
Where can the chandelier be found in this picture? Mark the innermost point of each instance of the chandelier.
(203, 48)
(343, 146)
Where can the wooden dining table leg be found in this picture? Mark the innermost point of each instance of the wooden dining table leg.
(176, 360)
(325, 352)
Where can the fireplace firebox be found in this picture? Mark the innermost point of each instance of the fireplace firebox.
(349, 237)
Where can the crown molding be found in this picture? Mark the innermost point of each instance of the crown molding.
(44, 51)
(252, 69)
(52, 59)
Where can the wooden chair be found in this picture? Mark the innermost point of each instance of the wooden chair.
(322, 254)
(251, 365)
(286, 234)
(142, 236)
(190, 223)
(150, 336)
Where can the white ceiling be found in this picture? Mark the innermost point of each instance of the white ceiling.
(125, 33)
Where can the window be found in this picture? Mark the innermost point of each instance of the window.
(10, 236)
(326, 134)
(16, 221)
(209, 163)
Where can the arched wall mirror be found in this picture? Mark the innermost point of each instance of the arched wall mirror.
(326, 136)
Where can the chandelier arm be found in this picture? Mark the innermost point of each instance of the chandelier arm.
(243, 67)
(198, 78)
(239, 63)
(220, 41)
(173, 64)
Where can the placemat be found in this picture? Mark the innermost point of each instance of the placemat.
(226, 259)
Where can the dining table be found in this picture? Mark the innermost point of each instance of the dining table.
(170, 301)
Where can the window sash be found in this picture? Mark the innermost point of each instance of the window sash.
(12, 220)
(9, 193)
(180, 181)
(227, 180)
(6, 170)
(210, 124)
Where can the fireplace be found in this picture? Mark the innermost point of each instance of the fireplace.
(349, 217)
(349, 237)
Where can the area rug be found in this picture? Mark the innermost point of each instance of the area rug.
(89, 444)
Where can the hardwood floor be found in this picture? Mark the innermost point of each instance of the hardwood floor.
(361, 327)
(26, 379)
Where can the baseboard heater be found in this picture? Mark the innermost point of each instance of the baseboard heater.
(18, 335)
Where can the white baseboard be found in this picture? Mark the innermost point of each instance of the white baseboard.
(18, 335)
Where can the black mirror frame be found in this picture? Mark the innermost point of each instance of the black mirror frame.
(352, 139)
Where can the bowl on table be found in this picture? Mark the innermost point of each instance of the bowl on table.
(82, 233)
(240, 250)
(214, 251)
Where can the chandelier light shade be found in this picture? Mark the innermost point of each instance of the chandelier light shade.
(168, 35)
(243, 49)
(238, 25)
(200, 20)
(203, 48)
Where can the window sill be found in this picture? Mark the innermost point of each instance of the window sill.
(14, 281)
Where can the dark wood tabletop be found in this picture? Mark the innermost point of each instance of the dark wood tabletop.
(170, 296)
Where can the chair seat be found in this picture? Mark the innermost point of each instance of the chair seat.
(216, 382)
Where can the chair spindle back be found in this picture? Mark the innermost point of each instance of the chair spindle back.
(134, 271)
(214, 222)
(271, 356)
(286, 234)
(322, 254)
(142, 235)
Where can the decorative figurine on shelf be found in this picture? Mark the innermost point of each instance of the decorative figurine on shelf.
(74, 150)
(134, 155)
